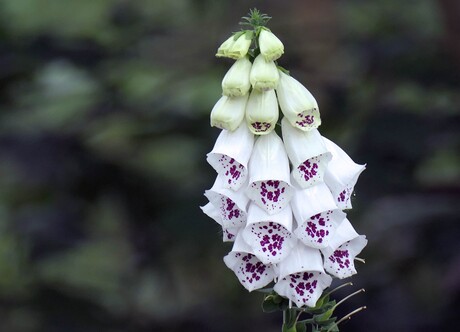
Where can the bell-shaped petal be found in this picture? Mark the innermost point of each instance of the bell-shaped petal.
(269, 236)
(236, 80)
(318, 230)
(264, 75)
(230, 156)
(228, 113)
(235, 47)
(340, 254)
(307, 152)
(297, 103)
(270, 46)
(341, 175)
(250, 271)
(262, 112)
(228, 233)
(269, 183)
(230, 204)
(301, 276)
(311, 201)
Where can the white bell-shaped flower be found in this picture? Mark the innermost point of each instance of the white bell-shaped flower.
(262, 112)
(339, 256)
(307, 152)
(269, 183)
(230, 156)
(270, 46)
(308, 202)
(301, 276)
(228, 113)
(341, 175)
(269, 236)
(264, 75)
(236, 80)
(231, 204)
(235, 48)
(297, 103)
(250, 271)
(228, 233)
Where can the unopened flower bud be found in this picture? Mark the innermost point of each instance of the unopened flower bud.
(236, 81)
(235, 48)
(262, 112)
(264, 74)
(270, 46)
(228, 112)
(297, 103)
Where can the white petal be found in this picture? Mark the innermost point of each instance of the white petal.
(311, 201)
(301, 258)
(269, 236)
(307, 152)
(269, 183)
(302, 277)
(231, 204)
(250, 271)
(211, 211)
(297, 103)
(340, 262)
(344, 233)
(229, 234)
(341, 175)
(262, 112)
(319, 229)
(230, 156)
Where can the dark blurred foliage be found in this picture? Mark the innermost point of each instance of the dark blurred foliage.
(104, 127)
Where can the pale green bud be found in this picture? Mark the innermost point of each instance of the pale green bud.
(223, 49)
(297, 103)
(270, 46)
(264, 74)
(228, 113)
(236, 81)
(235, 48)
(262, 112)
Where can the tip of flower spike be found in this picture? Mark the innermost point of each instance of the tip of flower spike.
(255, 18)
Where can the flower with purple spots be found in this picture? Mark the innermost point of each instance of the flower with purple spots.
(280, 200)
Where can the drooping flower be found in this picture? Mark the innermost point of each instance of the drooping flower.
(235, 48)
(236, 80)
(301, 276)
(270, 46)
(297, 103)
(341, 175)
(264, 75)
(307, 152)
(269, 183)
(269, 236)
(339, 256)
(228, 233)
(228, 113)
(231, 204)
(262, 112)
(250, 271)
(230, 156)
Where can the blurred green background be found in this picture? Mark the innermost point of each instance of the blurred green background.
(104, 127)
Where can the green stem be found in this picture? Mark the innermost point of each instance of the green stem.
(289, 320)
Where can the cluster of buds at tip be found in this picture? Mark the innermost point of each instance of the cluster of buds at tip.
(280, 200)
